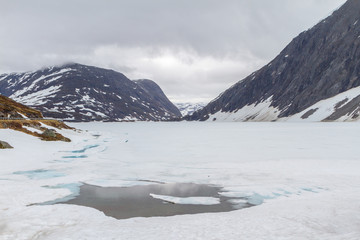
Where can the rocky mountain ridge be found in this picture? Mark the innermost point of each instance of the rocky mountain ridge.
(301, 83)
(76, 92)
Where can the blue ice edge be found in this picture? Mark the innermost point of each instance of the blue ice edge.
(73, 187)
(80, 156)
(40, 174)
(84, 149)
(80, 151)
(256, 199)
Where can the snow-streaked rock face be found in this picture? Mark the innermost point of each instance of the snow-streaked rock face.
(313, 71)
(342, 107)
(262, 111)
(189, 108)
(83, 93)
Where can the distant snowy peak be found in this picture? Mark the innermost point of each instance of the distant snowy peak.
(189, 108)
(315, 78)
(77, 92)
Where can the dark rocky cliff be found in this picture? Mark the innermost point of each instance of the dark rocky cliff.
(318, 64)
(157, 94)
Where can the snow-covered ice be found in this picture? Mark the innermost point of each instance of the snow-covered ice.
(303, 177)
(187, 200)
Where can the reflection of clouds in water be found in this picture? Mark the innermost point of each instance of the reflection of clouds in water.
(188, 190)
(153, 200)
(170, 189)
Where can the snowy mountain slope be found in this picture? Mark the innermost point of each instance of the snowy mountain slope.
(189, 108)
(342, 107)
(319, 64)
(84, 93)
(262, 111)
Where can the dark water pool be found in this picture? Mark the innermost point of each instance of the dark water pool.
(129, 202)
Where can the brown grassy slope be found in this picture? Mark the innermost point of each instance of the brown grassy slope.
(10, 108)
(20, 125)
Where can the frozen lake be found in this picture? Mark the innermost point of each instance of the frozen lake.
(301, 178)
(155, 200)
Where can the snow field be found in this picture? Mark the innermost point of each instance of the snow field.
(304, 176)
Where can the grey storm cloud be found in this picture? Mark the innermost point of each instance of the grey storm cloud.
(194, 49)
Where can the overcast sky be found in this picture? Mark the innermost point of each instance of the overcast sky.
(194, 49)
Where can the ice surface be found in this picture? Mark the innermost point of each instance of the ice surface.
(188, 200)
(74, 188)
(305, 175)
(40, 174)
